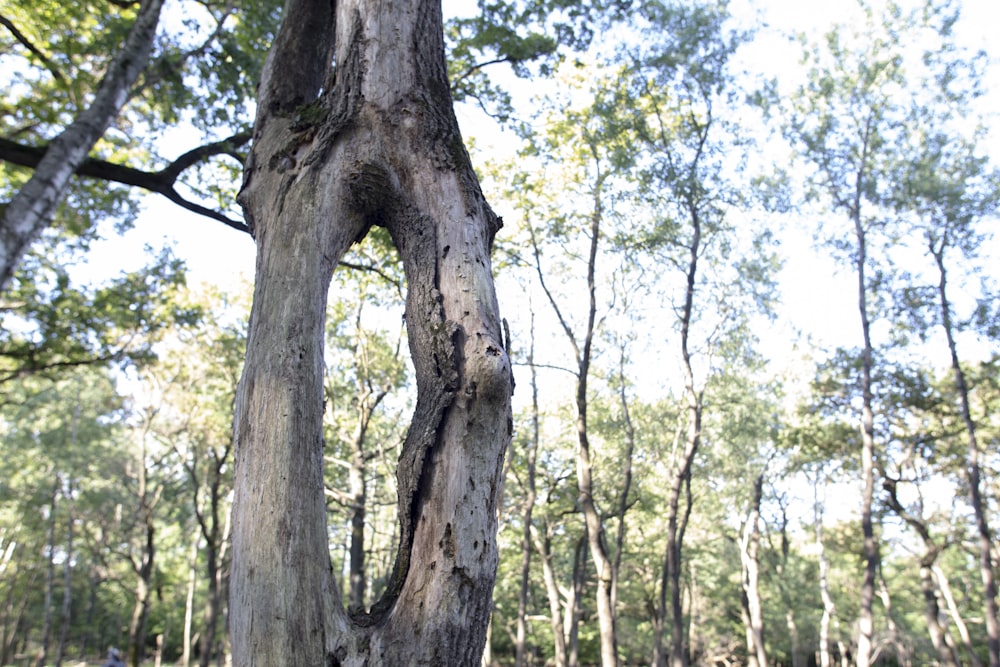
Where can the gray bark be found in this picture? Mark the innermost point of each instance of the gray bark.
(370, 141)
(32, 208)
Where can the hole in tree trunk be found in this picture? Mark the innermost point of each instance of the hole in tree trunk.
(370, 394)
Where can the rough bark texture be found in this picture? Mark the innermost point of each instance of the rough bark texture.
(32, 208)
(369, 140)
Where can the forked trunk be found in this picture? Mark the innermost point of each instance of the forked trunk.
(355, 128)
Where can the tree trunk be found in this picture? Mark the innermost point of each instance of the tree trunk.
(866, 625)
(973, 475)
(143, 590)
(367, 401)
(192, 581)
(680, 480)
(940, 637)
(355, 127)
(574, 606)
(50, 576)
(530, 495)
(215, 531)
(829, 618)
(556, 616)
(895, 638)
(583, 350)
(626, 481)
(749, 548)
(32, 208)
(941, 581)
(64, 617)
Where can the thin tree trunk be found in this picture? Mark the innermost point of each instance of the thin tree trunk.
(358, 495)
(355, 127)
(192, 581)
(67, 601)
(749, 548)
(896, 638)
(940, 637)
(942, 583)
(487, 660)
(142, 593)
(574, 606)
(367, 401)
(695, 642)
(829, 618)
(557, 617)
(788, 596)
(221, 593)
(626, 480)
(866, 625)
(215, 549)
(973, 474)
(528, 508)
(31, 209)
(144, 566)
(680, 480)
(596, 538)
(50, 577)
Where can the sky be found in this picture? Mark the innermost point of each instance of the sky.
(817, 295)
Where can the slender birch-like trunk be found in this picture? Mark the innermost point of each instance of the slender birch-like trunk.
(528, 508)
(749, 549)
(973, 473)
(30, 211)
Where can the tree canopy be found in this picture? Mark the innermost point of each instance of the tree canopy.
(692, 471)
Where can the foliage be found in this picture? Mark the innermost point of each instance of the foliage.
(104, 384)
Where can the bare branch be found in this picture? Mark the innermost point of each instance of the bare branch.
(162, 182)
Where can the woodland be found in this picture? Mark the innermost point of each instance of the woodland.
(735, 400)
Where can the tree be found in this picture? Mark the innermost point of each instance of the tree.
(842, 121)
(355, 128)
(53, 324)
(31, 210)
(948, 188)
(680, 81)
(192, 388)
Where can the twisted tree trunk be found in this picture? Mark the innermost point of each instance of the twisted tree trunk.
(355, 128)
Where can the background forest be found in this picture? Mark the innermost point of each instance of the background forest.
(750, 277)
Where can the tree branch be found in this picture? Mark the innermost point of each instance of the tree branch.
(162, 182)
(26, 43)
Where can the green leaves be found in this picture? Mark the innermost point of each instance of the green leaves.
(51, 322)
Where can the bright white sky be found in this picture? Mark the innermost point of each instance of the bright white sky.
(814, 295)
